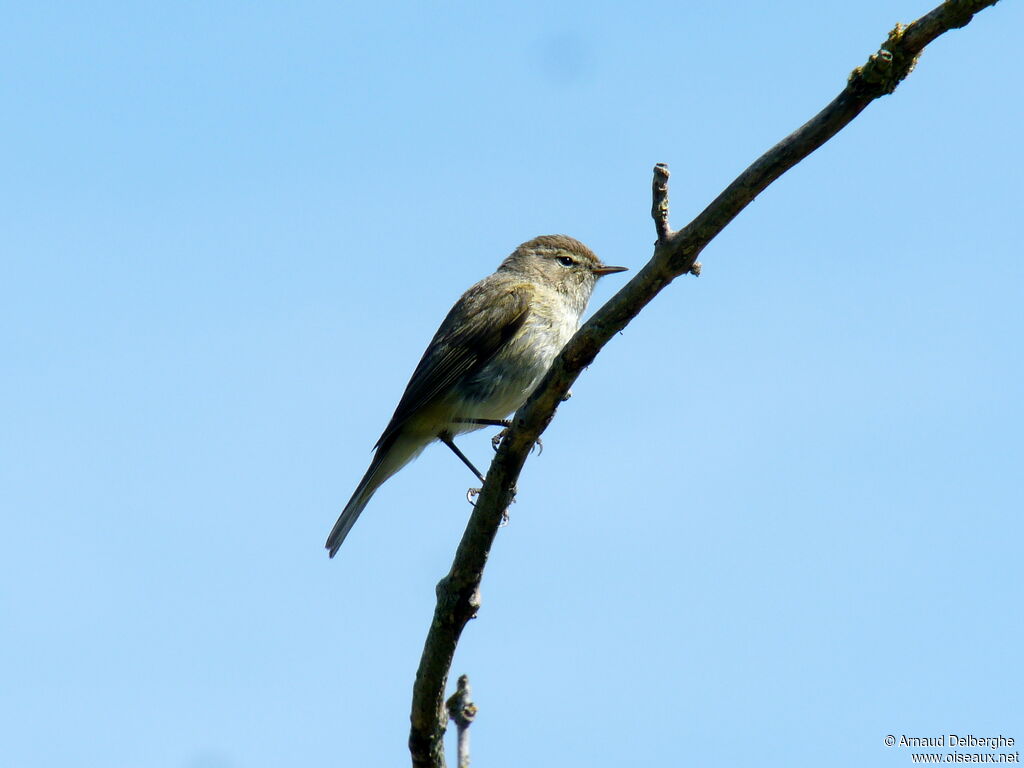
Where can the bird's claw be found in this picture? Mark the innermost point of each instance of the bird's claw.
(471, 494)
(504, 512)
(496, 440)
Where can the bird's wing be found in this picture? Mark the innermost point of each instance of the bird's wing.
(476, 328)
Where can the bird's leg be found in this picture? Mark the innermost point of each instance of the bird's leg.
(496, 440)
(445, 438)
(485, 422)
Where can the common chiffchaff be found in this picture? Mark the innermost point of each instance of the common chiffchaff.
(492, 349)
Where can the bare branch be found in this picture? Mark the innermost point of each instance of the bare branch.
(675, 253)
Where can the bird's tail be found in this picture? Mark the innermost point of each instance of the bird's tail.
(386, 462)
(351, 512)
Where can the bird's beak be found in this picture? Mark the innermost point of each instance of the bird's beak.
(606, 270)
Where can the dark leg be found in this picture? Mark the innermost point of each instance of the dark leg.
(485, 422)
(496, 441)
(445, 438)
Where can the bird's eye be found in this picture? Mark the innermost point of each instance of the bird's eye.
(566, 261)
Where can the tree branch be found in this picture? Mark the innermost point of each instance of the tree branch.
(675, 253)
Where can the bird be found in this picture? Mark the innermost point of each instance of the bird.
(486, 358)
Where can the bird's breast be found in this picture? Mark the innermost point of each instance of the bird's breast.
(508, 379)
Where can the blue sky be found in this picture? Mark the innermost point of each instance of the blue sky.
(779, 519)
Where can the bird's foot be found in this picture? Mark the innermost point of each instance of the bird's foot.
(496, 441)
(504, 512)
(472, 493)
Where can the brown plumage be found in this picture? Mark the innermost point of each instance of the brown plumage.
(491, 350)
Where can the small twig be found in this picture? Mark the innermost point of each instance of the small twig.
(659, 212)
(462, 711)
(659, 205)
